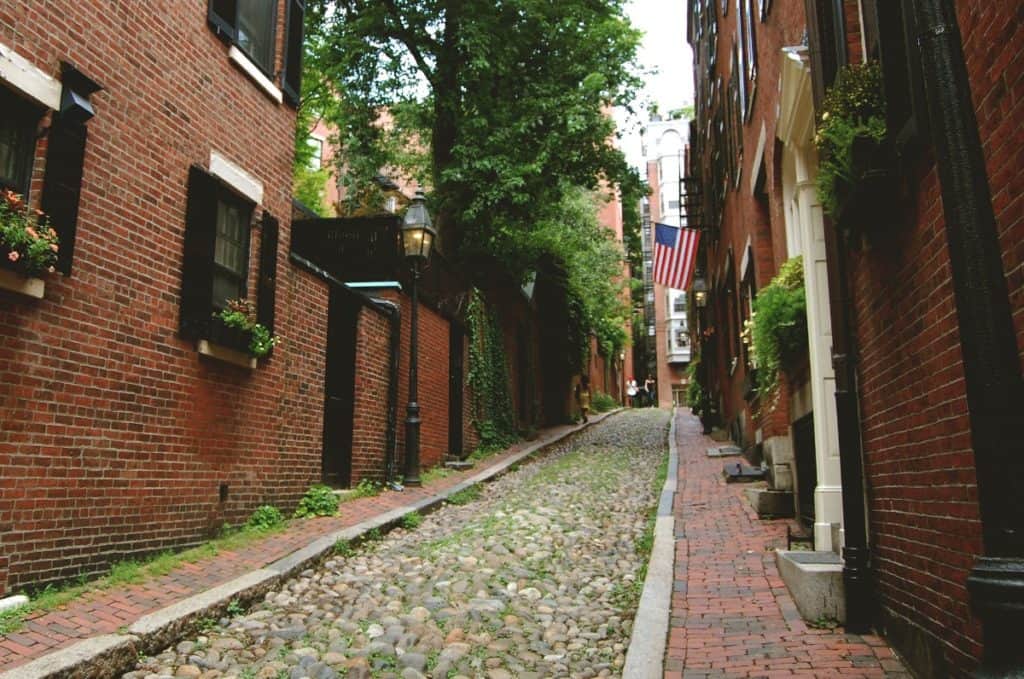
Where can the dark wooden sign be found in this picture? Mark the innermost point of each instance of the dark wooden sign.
(352, 249)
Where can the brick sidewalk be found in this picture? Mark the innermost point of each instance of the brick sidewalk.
(731, 613)
(106, 611)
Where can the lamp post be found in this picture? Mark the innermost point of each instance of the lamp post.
(417, 238)
(700, 291)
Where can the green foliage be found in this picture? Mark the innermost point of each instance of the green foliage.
(319, 500)
(488, 375)
(853, 107)
(602, 402)
(234, 608)
(241, 314)
(344, 548)
(777, 329)
(412, 520)
(696, 396)
(365, 488)
(310, 188)
(265, 517)
(27, 243)
(464, 496)
(485, 102)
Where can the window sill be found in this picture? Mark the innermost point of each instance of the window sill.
(225, 355)
(23, 285)
(247, 66)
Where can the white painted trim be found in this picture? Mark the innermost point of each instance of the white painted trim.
(238, 57)
(19, 73)
(745, 262)
(237, 178)
(755, 163)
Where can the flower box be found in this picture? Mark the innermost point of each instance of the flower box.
(227, 344)
(22, 284)
(221, 353)
(871, 201)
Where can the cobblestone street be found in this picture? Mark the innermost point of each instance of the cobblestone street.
(536, 577)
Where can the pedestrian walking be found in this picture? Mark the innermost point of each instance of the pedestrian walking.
(649, 390)
(631, 392)
(583, 396)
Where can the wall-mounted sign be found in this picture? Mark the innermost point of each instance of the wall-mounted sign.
(351, 249)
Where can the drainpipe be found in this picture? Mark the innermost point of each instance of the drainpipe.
(828, 52)
(394, 314)
(992, 372)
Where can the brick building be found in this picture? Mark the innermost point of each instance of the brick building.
(665, 144)
(160, 142)
(919, 349)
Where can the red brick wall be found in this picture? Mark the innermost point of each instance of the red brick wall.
(432, 384)
(924, 516)
(747, 216)
(369, 426)
(115, 434)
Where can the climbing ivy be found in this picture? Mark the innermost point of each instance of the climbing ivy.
(488, 375)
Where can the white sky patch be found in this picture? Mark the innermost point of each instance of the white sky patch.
(665, 51)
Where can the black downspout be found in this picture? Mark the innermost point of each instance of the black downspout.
(827, 37)
(992, 373)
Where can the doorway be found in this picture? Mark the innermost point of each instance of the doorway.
(339, 389)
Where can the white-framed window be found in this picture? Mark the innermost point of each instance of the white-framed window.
(316, 159)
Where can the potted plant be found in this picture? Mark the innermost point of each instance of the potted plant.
(28, 246)
(234, 336)
(857, 168)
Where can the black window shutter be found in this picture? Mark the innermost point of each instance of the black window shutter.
(62, 187)
(197, 264)
(268, 272)
(291, 79)
(901, 69)
(223, 17)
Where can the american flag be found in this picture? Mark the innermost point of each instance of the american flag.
(675, 251)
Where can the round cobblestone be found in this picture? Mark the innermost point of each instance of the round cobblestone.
(539, 576)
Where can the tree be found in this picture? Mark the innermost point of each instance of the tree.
(498, 105)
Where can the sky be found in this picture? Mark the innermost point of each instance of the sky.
(666, 60)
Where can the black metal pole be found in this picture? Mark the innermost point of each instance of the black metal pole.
(992, 372)
(412, 417)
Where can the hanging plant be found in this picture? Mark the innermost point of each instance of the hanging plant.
(777, 330)
(851, 134)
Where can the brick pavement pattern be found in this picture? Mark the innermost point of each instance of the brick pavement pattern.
(105, 611)
(731, 614)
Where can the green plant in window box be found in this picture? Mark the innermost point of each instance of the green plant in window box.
(241, 315)
(28, 245)
(777, 329)
(856, 162)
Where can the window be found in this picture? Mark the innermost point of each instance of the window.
(256, 20)
(215, 267)
(316, 160)
(682, 339)
(17, 141)
(251, 26)
(679, 304)
(231, 249)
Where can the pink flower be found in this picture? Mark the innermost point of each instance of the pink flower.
(13, 256)
(53, 246)
(32, 232)
(51, 233)
(51, 269)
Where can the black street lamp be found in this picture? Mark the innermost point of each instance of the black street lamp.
(417, 239)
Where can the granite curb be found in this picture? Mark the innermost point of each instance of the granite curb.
(646, 653)
(111, 654)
